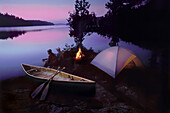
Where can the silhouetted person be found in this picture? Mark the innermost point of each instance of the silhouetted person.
(51, 61)
(59, 55)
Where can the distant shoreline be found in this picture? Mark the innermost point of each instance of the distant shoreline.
(35, 25)
(30, 23)
(11, 32)
(30, 28)
(13, 21)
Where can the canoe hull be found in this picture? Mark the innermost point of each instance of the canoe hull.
(71, 87)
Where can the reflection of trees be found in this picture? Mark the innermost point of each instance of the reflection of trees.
(143, 23)
(10, 34)
(79, 20)
(138, 21)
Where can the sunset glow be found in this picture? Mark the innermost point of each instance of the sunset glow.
(42, 37)
(52, 11)
(38, 12)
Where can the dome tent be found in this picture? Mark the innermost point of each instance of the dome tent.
(112, 60)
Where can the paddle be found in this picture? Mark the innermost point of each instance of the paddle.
(44, 93)
(39, 88)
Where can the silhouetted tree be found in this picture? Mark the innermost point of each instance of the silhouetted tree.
(144, 23)
(141, 22)
(79, 20)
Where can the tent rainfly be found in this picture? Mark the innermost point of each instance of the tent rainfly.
(112, 60)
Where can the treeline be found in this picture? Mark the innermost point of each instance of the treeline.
(142, 22)
(7, 20)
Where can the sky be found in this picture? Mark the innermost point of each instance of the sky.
(55, 11)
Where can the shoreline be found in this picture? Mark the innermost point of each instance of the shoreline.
(134, 90)
(37, 27)
(14, 97)
(116, 96)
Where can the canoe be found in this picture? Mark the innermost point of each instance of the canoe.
(62, 79)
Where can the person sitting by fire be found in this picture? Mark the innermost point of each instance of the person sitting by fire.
(51, 61)
(59, 55)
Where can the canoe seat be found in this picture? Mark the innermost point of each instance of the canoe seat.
(72, 78)
(41, 75)
(31, 70)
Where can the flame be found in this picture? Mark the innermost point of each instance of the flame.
(79, 54)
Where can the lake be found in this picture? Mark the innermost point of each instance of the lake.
(30, 44)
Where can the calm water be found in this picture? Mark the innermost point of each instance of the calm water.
(32, 46)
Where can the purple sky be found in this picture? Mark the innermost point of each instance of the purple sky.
(48, 10)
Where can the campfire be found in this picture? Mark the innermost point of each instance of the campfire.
(79, 54)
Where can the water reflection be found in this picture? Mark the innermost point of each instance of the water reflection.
(30, 28)
(4, 35)
(14, 32)
(31, 47)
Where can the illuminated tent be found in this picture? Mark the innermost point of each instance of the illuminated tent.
(112, 60)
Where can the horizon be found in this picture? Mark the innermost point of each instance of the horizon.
(51, 11)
